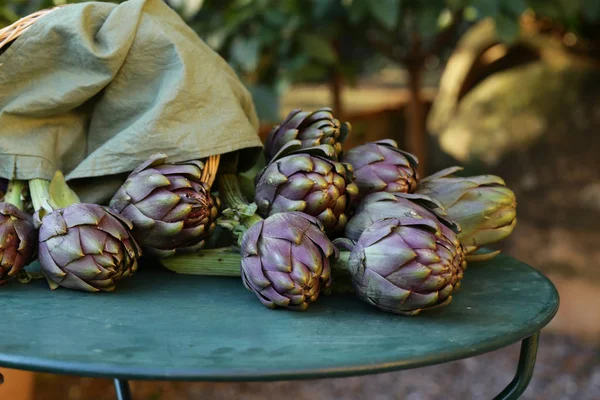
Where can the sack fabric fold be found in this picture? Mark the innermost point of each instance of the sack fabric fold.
(93, 89)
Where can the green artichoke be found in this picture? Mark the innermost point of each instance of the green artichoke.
(482, 205)
(171, 209)
(307, 180)
(382, 167)
(86, 247)
(18, 238)
(404, 265)
(310, 128)
(286, 260)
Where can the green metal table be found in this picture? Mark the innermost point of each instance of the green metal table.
(163, 326)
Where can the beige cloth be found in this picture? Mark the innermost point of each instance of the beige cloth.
(93, 89)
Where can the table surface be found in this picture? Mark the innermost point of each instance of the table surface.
(159, 325)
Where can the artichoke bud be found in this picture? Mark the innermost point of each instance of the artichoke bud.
(405, 265)
(286, 260)
(18, 238)
(306, 180)
(309, 129)
(382, 167)
(171, 208)
(86, 247)
(482, 205)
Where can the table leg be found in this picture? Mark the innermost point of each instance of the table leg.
(524, 371)
(122, 389)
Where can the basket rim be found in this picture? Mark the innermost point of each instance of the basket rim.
(10, 33)
(211, 167)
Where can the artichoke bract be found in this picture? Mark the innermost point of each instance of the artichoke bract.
(482, 205)
(86, 247)
(286, 260)
(307, 180)
(404, 266)
(18, 238)
(310, 128)
(382, 167)
(171, 208)
(381, 205)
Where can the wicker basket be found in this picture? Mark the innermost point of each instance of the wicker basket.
(12, 32)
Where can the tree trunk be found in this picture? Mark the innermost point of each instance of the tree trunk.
(416, 140)
(336, 85)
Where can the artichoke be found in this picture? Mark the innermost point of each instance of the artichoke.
(482, 205)
(382, 167)
(309, 181)
(382, 205)
(86, 247)
(171, 208)
(286, 260)
(18, 238)
(310, 128)
(404, 265)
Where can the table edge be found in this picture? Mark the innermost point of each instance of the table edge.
(112, 371)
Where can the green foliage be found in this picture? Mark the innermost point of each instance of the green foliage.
(385, 12)
(274, 43)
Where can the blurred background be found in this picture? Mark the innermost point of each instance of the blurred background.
(510, 87)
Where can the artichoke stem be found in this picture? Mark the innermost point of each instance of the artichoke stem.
(230, 191)
(13, 193)
(342, 278)
(214, 262)
(40, 195)
(226, 262)
(251, 220)
(341, 264)
(233, 198)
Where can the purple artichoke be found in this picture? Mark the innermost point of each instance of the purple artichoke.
(382, 205)
(404, 265)
(86, 247)
(18, 238)
(310, 182)
(483, 206)
(286, 260)
(171, 209)
(382, 167)
(310, 128)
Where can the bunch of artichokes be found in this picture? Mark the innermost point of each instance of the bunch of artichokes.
(405, 240)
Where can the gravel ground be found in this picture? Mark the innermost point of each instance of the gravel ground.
(566, 368)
